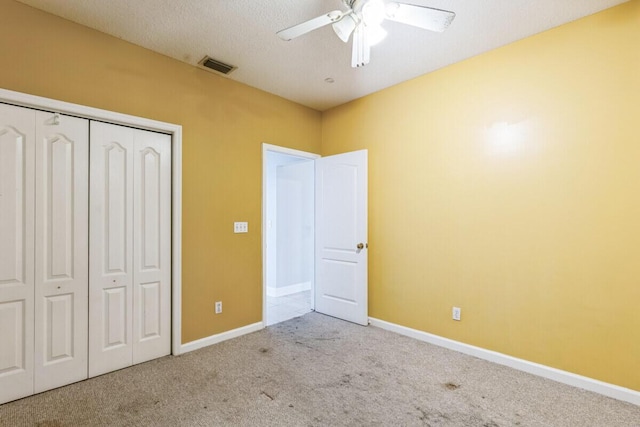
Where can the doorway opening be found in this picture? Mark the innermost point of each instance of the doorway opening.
(288, 238)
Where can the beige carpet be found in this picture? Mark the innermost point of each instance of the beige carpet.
(319, 371)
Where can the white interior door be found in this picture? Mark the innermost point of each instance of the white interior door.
(17, 142)
(61, 257)
(130, 244)
(341, 236)
(151, 246)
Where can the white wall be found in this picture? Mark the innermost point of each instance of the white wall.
(274, 161)
(295, 219)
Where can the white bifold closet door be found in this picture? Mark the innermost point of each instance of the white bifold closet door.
(43, 251)
(17, 147)
(130, 246)
(62, 255)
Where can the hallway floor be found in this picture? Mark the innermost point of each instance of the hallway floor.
(287, 307)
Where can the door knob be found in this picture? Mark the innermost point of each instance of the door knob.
(360, 246)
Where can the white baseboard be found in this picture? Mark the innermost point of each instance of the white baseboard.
(214, 339)
(600, 387)
(288, 290)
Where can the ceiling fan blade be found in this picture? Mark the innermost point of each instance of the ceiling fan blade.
(420, 16)
(361, 49)
(310, 25)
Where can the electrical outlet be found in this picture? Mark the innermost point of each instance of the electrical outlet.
(218, 307)
(456, 313)
(240, 227)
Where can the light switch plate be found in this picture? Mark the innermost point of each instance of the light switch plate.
(240, 227)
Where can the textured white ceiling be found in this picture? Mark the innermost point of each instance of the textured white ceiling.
(243, 33)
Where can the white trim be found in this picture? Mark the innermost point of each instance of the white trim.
(596, 386)
(224, 336)
(288, 290)
(290, 151)
(283, 150)
(176, 242)
(40, 103)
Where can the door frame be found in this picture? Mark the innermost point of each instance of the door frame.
(55, 106)
(281, 150)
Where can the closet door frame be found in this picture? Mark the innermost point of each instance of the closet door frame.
(40, 103)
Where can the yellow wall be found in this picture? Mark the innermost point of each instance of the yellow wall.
(224, 124)
(536, 238)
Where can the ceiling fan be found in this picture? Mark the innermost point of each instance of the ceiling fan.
(363, 19)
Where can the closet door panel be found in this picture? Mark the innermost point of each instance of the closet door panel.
(61, 280)
(111, 248)
(152, 246)
(17, 139)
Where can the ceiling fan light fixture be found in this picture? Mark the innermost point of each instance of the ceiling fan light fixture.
(344, 27)
(391, 9)
(373, 12)
(375, 34)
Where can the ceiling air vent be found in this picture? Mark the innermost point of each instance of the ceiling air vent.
(215, 65)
